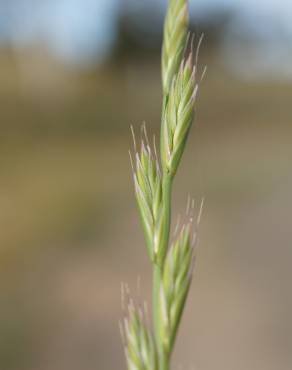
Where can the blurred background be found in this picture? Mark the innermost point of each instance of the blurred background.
(74, 74)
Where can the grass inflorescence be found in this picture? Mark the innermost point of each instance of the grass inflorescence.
(153, 179)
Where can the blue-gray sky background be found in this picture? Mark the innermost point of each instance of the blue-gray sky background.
(256, 38)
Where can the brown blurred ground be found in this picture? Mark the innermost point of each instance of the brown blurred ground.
(69, 228)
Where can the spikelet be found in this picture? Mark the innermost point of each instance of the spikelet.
(148, 189)
(139, 344)
(174, 41)
(178, 115)
(174, 286)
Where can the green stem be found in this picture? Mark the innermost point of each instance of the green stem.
(158, 264)
(164, 362)
(164, 358)
(155, 300)
(166, 199)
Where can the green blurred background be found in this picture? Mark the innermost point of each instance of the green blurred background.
(69, 228)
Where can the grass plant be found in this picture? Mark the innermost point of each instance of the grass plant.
(154, 174)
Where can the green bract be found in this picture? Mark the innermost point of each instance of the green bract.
(174, 287)
(140, 348)
(148, 187)
(178, 116)
(174, 41)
